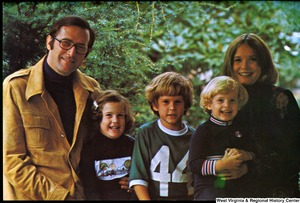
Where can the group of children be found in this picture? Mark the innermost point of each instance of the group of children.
(167, 159)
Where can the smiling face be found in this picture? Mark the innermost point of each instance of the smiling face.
(113, 120)
(245, 67)
(64, 62)
(171, 110)
(224, 106)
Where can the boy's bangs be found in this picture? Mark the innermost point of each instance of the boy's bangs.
(174, 90)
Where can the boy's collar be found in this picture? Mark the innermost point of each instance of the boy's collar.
(172, 132)
(219, 122)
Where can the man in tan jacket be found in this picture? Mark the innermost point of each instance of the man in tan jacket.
(45, 116)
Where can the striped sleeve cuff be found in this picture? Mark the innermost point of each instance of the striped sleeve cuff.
(209, 167)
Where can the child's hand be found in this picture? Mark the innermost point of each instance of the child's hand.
(231, 159)
(124, 182)
(244, 155)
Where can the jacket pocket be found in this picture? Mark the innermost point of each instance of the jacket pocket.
(37, 130)
(36, 121)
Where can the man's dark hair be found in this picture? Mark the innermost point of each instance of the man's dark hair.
(76, 21)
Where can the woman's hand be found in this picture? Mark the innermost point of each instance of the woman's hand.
(234, 173)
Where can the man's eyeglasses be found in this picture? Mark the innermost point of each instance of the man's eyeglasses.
(67, 44)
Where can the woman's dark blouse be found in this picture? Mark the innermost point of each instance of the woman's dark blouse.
(102, 149)
(212, 139)
(272, 118)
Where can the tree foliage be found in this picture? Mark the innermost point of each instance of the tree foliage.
(135, 41)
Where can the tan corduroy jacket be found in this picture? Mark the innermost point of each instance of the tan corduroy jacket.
(38, 161)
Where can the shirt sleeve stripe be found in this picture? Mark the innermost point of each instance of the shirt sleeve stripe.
(208, 167)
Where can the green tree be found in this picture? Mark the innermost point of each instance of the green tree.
(198, 34)
(136, 40)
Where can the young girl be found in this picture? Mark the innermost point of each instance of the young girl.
(106, 159)
(218, 145)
